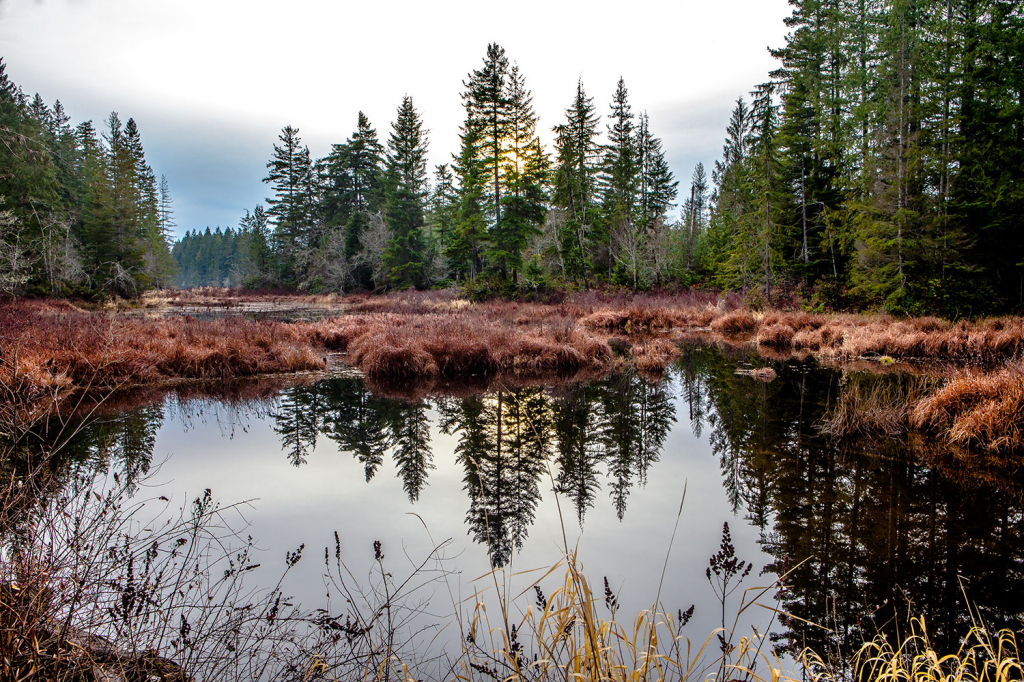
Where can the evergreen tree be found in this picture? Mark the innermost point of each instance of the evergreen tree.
(486, 99)
(618, 179)
(290, 170)
(405, 192)
(575, 181)
(353, 183)
(470, 233)
(525, 179)
(694, 212)
(444, 206)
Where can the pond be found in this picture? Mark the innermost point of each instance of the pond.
(864, 532)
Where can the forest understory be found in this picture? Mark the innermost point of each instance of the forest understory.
(417, 343)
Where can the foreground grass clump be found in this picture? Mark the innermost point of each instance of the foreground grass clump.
(984, 411)
(982, 657)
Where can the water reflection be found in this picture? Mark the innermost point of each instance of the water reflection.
(870, 531)
(505, 441)
(867, 531)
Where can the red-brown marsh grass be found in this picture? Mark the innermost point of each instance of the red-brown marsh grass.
(654, 355)
(982, 411)
(439, 337)
(776, 335)
(734, 323)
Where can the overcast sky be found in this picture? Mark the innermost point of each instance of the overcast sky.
(211, 82)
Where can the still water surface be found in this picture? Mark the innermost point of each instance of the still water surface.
(866, 530)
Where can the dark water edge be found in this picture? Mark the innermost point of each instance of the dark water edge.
(867, 532)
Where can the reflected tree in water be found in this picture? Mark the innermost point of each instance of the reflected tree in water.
(579, 454)
(409, 429)
(127, 439)
(360, 423)
(869, 529)
(298, 420)
(504, 443)
(636, 418)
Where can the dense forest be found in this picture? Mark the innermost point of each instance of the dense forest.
(81, 212)
(880, 166)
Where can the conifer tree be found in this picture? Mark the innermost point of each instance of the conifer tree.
(694, 212)
(405, 196)
(525, 179)
(575, 180)
(618, 178)
(487, 111)
(289, 175)
(470, 233)
(444, 205)
(353, 183)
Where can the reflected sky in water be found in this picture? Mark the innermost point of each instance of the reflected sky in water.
(515, 476)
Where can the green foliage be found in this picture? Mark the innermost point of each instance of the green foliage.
(91, 218)
(405, 190)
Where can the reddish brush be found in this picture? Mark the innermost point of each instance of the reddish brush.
(776, 336)
(977, 410)
(654, 355)
(52, 346)
(736, 322)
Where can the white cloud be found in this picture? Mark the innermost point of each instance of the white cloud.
(236, 72)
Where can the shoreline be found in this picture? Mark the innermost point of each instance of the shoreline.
(411, 343)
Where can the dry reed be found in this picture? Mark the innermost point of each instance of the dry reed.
(984, 411)
(875, 406)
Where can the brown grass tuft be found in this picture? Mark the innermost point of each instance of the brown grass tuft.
(653, 356)
(776, 336)
(984, 411)
(735, 322)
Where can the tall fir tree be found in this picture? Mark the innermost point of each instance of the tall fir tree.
(289, 174)
(575, 182)
(405, 196)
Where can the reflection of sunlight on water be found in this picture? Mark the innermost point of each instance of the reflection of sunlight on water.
(478, 474)
(240, 456)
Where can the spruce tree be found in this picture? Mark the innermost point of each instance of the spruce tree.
(618, 179)
(470, 234)
(487, 111)
(405, 196)
(353, 173)
(525, 178)
(694, 212)
(289, 172)
(575, 181)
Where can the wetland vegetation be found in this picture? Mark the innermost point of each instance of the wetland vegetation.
(789, 415)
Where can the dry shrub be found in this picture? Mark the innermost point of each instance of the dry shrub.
(984, 411)
(982, 657)
(735, 322)
(776, 336)
(605, 319)
(701, 317)
(654, 355)
(638, 318)
(928, 324)
(386, 354)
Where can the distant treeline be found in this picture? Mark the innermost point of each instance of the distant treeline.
(81, 213)
(215, 258)
(880, 166)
